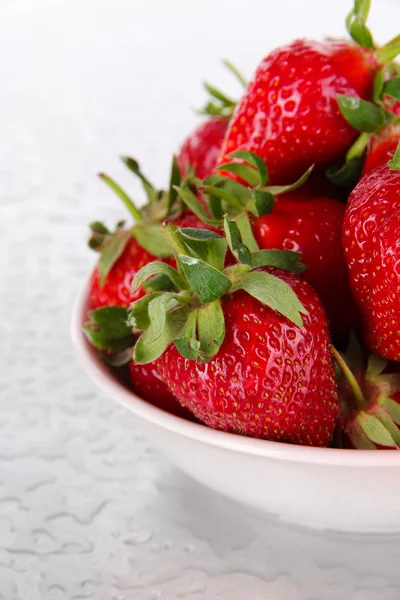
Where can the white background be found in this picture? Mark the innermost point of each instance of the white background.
(87, 508)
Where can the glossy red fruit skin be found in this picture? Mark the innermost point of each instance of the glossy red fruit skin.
(147, 383)
(289, 114)
(116, 290)
(117, 287)
(371, 241)
(202, 147)
(381, 150)
(269, 380)
(313, 226)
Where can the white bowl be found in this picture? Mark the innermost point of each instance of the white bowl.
(323, 488)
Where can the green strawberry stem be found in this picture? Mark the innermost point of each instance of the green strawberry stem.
(352, 381)
(134, 211)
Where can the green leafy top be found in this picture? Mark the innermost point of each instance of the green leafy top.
(369, 415)
(146, 230)
(220, 104)
(108, 331)
(226, 195)
(188, 313)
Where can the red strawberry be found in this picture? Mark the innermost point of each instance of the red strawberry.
(313, 226)
(201, 148)
(369, 395)
(125, 252)
(289, 114)
(147, 383)
(382, 147)
(108, 331)
(230, 351)
(371, 233)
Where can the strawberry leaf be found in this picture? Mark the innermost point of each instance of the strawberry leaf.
(147, 349)
(362, 115)
(281, 259)
(347, 175)
(375, 430)
(152, 239)
(205, 245)
(376, 366)
(157, 310)
(159, 283)
(392, 407)
(206, 281)
(263, 203)
(111, 253)
(187, 343)
(138, 312)
(234, 239)
(211, 329)
(275, 190)
(157, 268)
(246, 173)
(192, 202)
(379, 84)
(107, 329)
(133, 166)
(275, 293)
(122, 195)
(246, 232)
(174, 182)
(252, 159)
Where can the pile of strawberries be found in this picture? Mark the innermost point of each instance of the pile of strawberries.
(260, 292)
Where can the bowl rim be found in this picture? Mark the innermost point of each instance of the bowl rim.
(99, 374)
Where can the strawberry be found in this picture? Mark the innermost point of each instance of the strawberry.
(369, 397)
(381, 148)
(371, 244)
(294, 217)
(244, 348)
(201, 149)
(313, 226)
(108, 331)
(125, 252)
(289, 114)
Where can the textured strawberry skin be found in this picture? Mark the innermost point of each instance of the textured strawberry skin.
(269, 380)
(371, 240)
(313, 226)
(147, 383)
(289, 114)
(201, 148)
(116, 290)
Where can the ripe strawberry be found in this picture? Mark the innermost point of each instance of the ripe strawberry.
(245, 349)
(381, 148)
(146, 382)
(108, 331)
(313, 227)
(371, 229)
(369, 398)
(293, 113)
(289, 115)
(201, 149)
(125, 252)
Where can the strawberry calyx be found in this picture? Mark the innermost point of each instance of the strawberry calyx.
(220, 104)
(247, 192)
(369, 416)
(189, 313)
(146, 230)
(108, 331)
(356, 23)
(394, 163)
